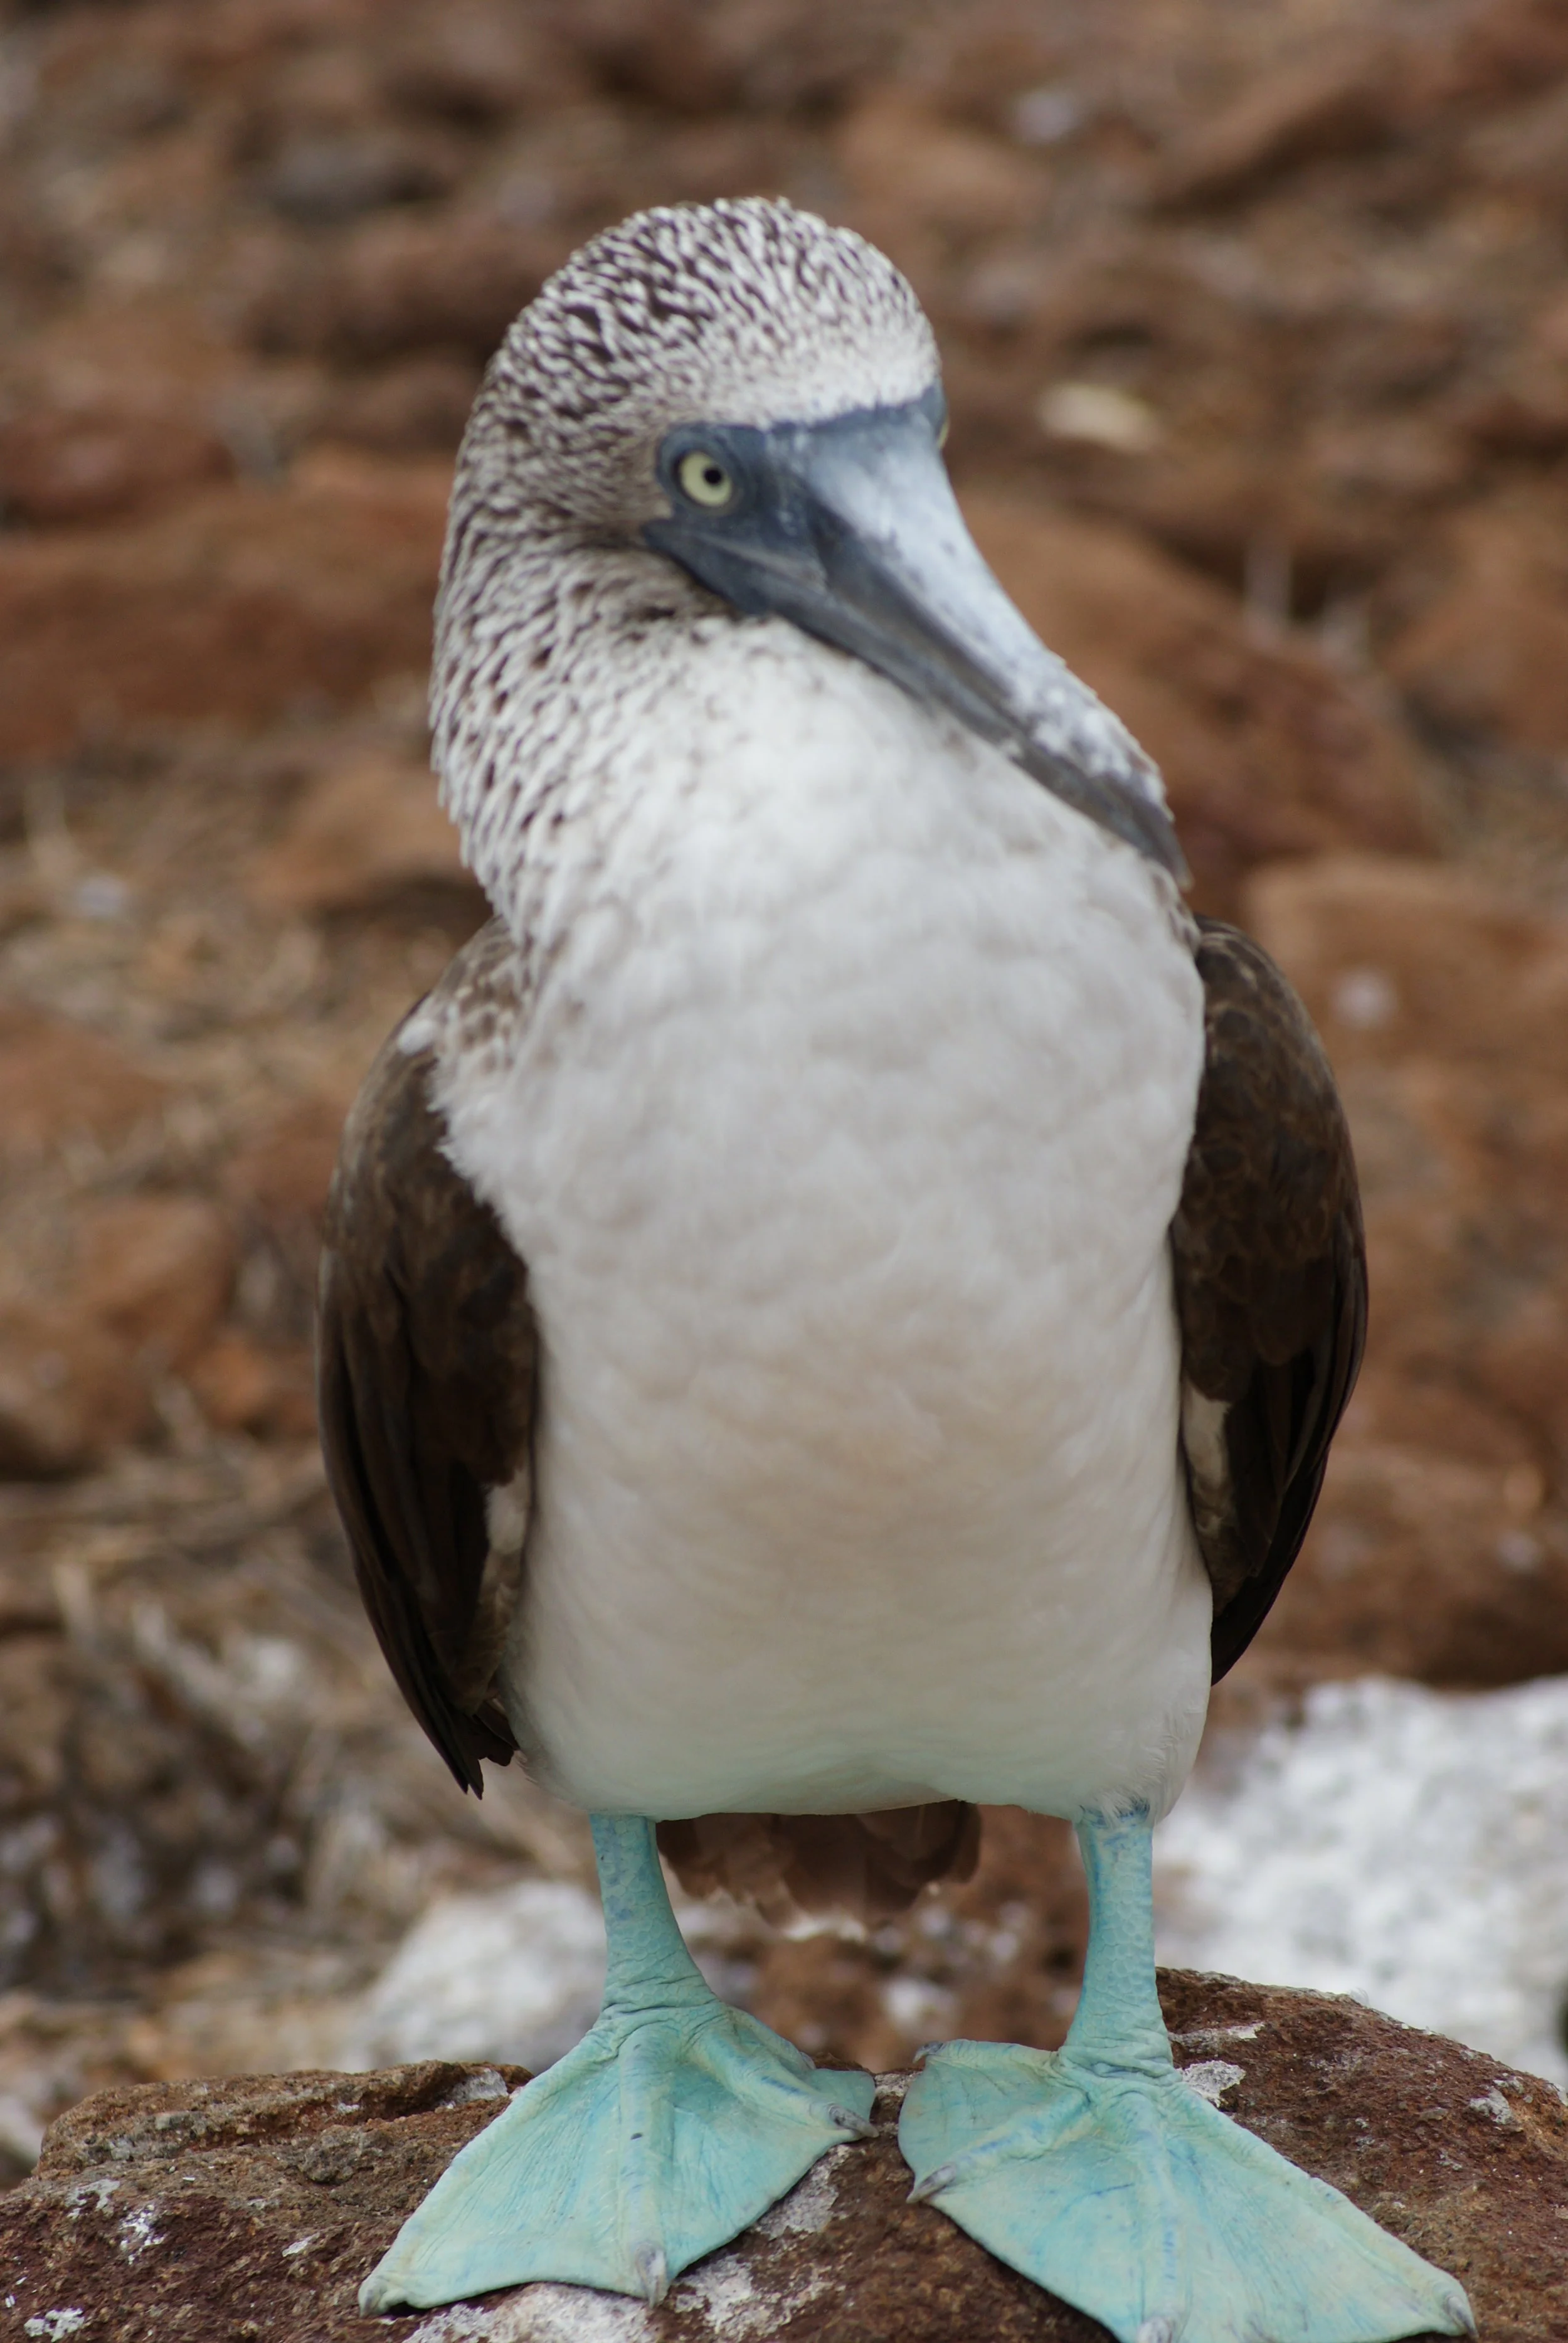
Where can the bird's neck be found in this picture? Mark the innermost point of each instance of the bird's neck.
(551, 656)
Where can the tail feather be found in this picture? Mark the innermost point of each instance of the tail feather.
(867, 1867)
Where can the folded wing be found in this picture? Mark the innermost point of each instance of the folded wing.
(1270, 1282)
(427, 1367)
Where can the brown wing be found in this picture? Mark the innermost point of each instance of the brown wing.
(427, 1366)
(1271, 1282)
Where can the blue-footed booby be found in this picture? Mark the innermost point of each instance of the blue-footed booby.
(835, 1307)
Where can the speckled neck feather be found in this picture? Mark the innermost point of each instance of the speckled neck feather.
(555, 622)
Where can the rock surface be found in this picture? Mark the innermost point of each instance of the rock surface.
(1255, 332)
(253, 2208)
(249, 602)
(365, 832)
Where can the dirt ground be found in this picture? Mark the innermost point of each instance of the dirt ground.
(1256, 330)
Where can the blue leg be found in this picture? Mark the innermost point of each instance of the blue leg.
(671, 2126)
(1099, 2174)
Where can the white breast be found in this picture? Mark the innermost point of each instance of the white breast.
(843, 1146)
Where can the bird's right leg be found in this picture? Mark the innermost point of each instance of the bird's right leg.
(1097, 2172)
(672, 2126)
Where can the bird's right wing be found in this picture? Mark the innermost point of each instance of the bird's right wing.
(1271, 1282)
(426, 1372)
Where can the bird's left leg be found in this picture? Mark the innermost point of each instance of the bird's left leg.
(1099, 2174)
(671, 2127)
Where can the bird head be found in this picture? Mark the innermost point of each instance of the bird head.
(753, 396)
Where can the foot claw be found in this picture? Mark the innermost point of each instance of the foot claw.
(933, 2184)
(653, 2269)
(848, 2120)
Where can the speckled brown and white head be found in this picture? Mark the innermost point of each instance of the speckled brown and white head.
(746, 312)
(795, 360)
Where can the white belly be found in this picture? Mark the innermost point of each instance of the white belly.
(842, 1152)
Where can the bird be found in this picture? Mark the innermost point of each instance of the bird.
(834, 1308)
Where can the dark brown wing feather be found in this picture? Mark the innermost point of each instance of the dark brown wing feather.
(1271, 1282)
(427, 1369)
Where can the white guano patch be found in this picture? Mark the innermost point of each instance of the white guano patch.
(136, 2232)
(542, 2314)
(516, 1975)
(1211, 2079)
(1405, 1846)
(21, 2128)
(810, 2203)
(95, 2192)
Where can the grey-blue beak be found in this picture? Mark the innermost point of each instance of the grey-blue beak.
(850, 529)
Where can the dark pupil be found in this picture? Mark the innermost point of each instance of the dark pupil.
(712, 475)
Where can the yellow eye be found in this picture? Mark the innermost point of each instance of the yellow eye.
(704, 479)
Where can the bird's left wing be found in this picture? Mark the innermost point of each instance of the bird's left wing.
(427, 1369)
(1271, 1282)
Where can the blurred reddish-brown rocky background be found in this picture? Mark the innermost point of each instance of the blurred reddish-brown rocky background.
(1256, 329)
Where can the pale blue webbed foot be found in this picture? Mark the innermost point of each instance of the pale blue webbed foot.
(1099, 2174)
(674, 2124)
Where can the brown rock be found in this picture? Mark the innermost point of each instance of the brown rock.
(473, 62)
(672, 51)
(1441, 1547)
(84, 467)
(156, 1272)
(1486, 652)
(1521, 1362)
(1396, 958)
(1496, 49)
(152, 1278)
(909, 171)
(112, 410)
(59, 1082)
(1403, 462)
(1418, 1565)
(321, 176)
(241, 1385)
(1265, 751)
(400, 284)
(1525, 149)
(237, 606)
(278, 1180)
(413, 408)
(256, 2206)
(281, 1174)
(1332, 105)
(365, 832)
(1525, 414)
(69, 1392)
